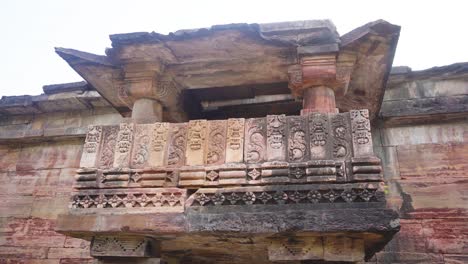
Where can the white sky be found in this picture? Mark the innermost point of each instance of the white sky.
(434, 33)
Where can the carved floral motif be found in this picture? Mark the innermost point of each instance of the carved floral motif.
(108, 147)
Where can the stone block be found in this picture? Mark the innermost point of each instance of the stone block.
(124, 246)
(196, 142)
(276, 137)
(424, 134)
(17, 206)
(71, 242)
(60, 252)
(342, 248)
(8, 158)
(159, 144)
(433, 160)
(296, 248)
(23, 252)
(49, 207)
(38, 156)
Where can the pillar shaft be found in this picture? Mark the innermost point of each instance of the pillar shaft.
(146, 111)
(319, 99)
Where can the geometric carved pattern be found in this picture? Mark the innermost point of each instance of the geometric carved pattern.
(122, 246)
(142, 198)
(286, 195)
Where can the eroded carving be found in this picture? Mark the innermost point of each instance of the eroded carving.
(109, 135)
(141, 146)
(340, 127)
(362, 139)
(318, 128)
(196, 138)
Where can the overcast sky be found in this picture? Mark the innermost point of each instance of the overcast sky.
(434, 33)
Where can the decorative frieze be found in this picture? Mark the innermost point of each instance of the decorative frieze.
(287, 194)
(276, 137)
(361, 133)
(255, 140)
(235, 140)
(91, 147)
(123, 145)
(159, 142)
(109, 199)
(215, 153)
(298, 138)
(177, 145)
(196, 140)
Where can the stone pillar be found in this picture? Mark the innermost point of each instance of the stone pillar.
(146, 110)
(314, 80)
(320, 99)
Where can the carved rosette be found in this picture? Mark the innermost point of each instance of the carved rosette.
(341, 130)
(159, 140)
(91, 147)
(141, 146)
(215, 152)
(196, 140)
(176, 149)
(298, 136)
(235, 140)
(109, 140)
(123, 146)
(276, 137)
(319, 136)
(255, 141)
(361, 131)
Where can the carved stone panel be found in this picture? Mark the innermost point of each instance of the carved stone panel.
(141, 146)
(107, 150)
(235, 140)
(276, 137)
(216, 143)
(298, 139)
(91, 147)
(177, 144)
(123, 147)
(319, 130)
(341, 132)
(255, 140)
(159, 142)
(196, 140)
(296, 248)
(361, 131)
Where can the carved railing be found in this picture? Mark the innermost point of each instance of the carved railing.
(274, 150)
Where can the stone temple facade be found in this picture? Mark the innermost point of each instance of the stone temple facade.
(241, 143)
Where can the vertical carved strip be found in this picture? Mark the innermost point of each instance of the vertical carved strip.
(215, 151)
(123, 146)
(177, 144)
(319, 130)
(298, 138)
(91, 147)
(196, 140)
(141, 146)
(159, 142)
(109, 140)
(255, 140)
(362, 139)
(276, 137)
(235, 140)
(341, 130)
